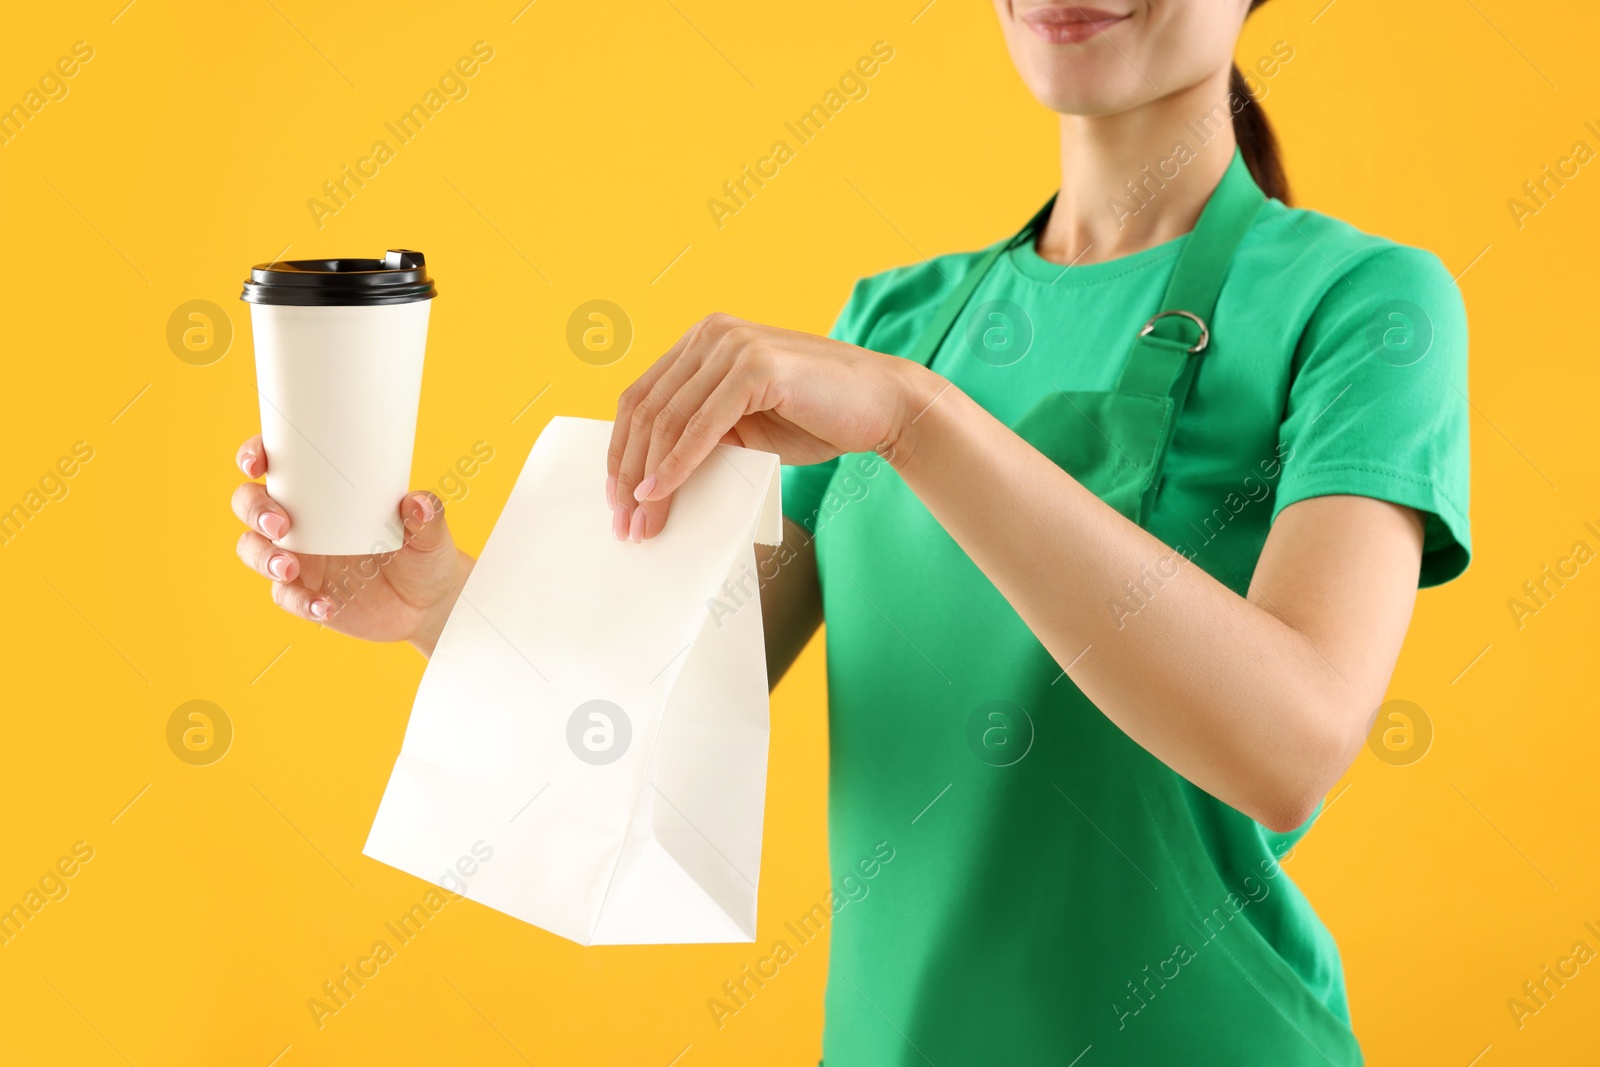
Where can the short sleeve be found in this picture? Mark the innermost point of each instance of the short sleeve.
(1378, 403)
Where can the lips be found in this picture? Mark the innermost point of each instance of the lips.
(1072, 23)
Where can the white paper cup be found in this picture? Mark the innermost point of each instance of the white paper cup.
(339, 350)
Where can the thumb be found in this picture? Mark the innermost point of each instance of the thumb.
(423, 515)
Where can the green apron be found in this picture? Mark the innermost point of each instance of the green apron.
(1055, 888)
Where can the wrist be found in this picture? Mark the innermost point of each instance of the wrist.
(920, 391)
(426, 636)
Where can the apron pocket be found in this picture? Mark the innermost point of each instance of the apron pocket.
(1108, 441)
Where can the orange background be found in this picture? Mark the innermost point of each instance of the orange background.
(577, 168)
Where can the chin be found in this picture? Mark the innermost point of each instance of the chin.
(1083, 86)
(1111, 57)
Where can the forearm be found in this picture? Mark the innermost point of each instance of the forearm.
(1250, 700)
(426, 637)
(1215, 686)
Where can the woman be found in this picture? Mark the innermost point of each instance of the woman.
(1117, 526)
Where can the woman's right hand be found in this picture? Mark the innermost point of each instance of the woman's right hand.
(404, 596)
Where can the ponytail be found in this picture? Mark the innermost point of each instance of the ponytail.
(1257, 143)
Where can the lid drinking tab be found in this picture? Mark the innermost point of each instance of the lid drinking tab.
(400, 277)
(402, 259)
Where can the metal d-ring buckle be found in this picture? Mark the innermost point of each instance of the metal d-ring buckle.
(1205, 331)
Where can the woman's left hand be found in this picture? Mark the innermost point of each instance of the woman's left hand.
(806, 398)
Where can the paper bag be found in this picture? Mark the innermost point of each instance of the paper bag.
(588, 748)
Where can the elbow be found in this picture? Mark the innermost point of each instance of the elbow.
(1322, 759)
(1292, 807)
(1288, 816)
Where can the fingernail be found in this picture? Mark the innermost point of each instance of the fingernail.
(425, 506)
(247, 462)
(278, 567)
(645, 488)
(611, 491)
(619, 523)
(636, 528)
(273, 525)
(321, 608)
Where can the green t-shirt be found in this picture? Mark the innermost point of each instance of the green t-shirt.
(1337, 366)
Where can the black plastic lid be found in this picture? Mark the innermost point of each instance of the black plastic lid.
(400, 277)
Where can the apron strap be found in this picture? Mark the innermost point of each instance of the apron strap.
(938, 327)
(1166, 352)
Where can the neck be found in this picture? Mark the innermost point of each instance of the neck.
(1096, 217)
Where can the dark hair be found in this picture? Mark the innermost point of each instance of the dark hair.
(1257, 143)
